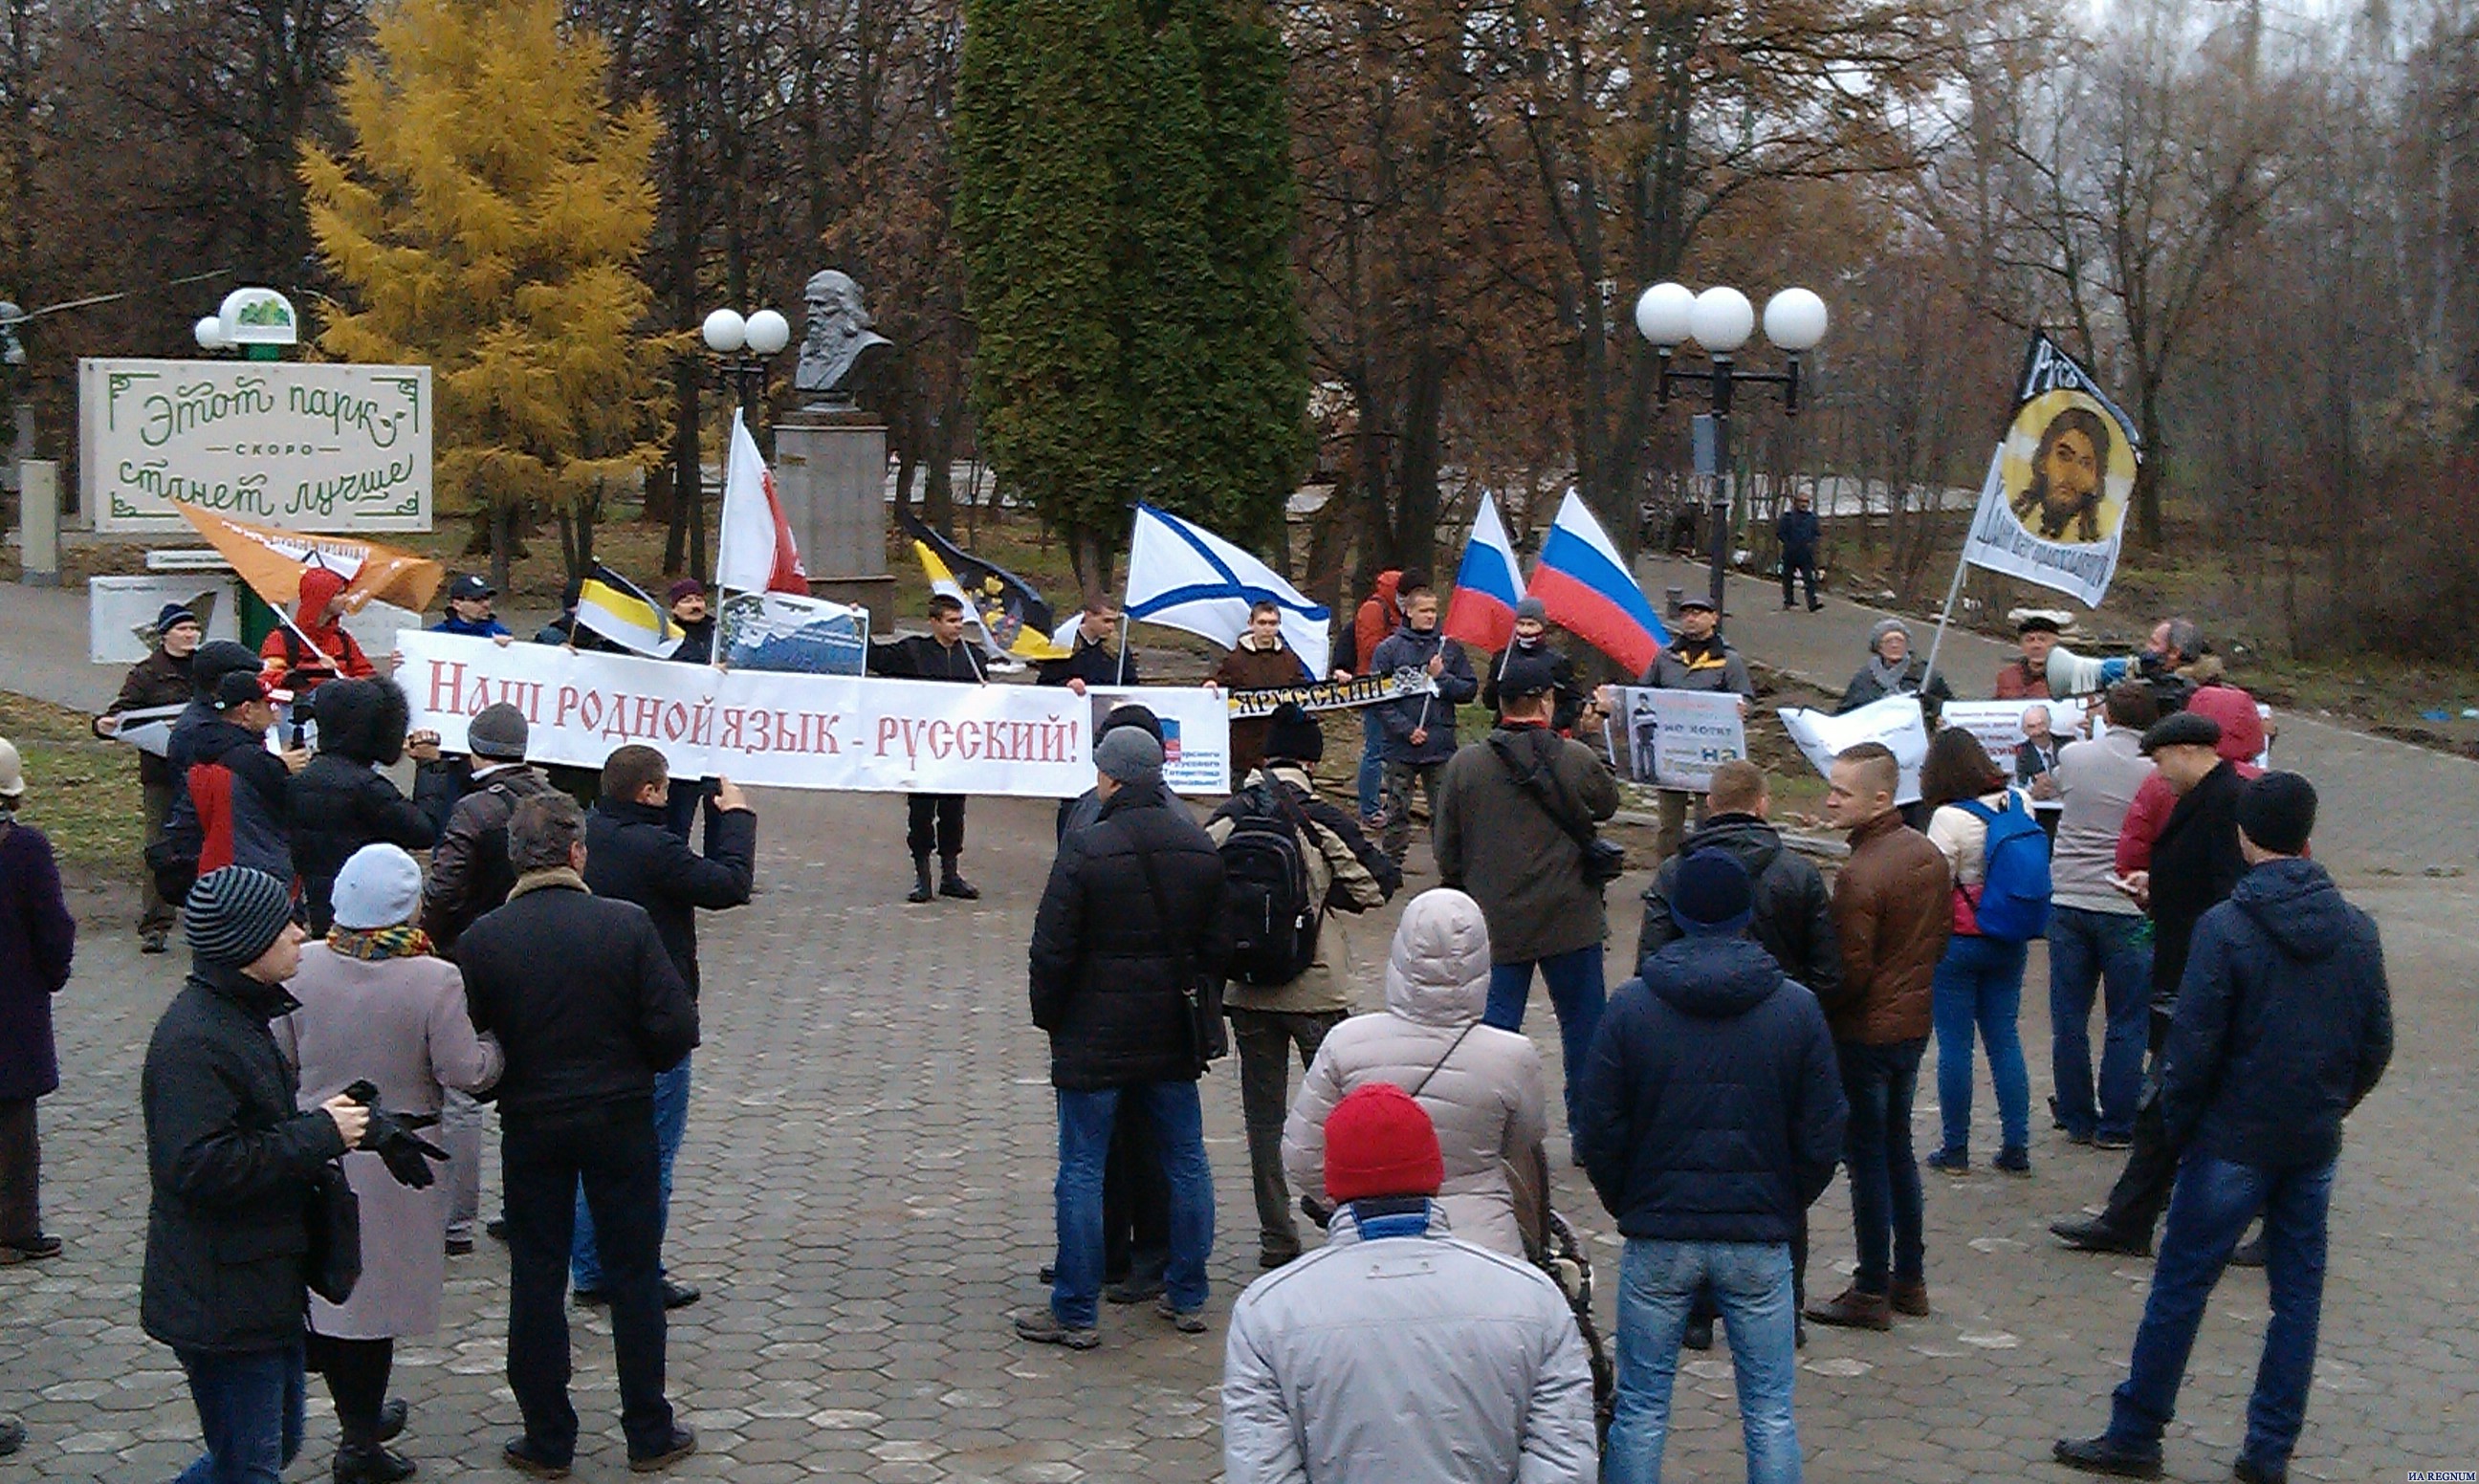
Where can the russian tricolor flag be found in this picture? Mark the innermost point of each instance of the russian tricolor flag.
(1482, 609)
(1588, 591)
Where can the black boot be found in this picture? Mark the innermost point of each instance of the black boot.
(922, 890)
(368, 1463)
(950, 885)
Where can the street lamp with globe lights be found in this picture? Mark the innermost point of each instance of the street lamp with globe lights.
(1718, 320)
(742, 348)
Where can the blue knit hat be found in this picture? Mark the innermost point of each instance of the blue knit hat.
(235, 915)
(1711, 896)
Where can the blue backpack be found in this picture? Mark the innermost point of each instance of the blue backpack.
(2014, 871)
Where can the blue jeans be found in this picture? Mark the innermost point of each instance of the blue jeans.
(1370, 782)
(670, 1126)
(2086, 950)
(1576, 993)
(1886, 1212)
(1084, 1119)
(2213, 1203)
(1980, 982)
(249, 1407)
(1750, 1282)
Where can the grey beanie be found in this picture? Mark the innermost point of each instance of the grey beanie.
(1129, 755)
(379, 887)
(234, 914)
(1877, 631)
(1532, 608)
(497, 732)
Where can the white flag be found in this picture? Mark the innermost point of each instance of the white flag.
(753, 550)
(1184, 577)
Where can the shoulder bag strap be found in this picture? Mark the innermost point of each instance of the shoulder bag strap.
(1419, 1087)
(1179, 946)
(1539, 786)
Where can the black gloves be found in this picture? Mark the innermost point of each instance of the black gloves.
(407, 1155)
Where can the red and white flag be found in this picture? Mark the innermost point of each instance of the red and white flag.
(755, 552)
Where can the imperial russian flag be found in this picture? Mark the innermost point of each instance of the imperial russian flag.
(1588, 591)
(1487, 584)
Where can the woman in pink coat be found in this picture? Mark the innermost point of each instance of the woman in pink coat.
(376, 1004)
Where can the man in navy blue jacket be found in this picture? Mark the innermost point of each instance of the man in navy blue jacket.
(2284, 1023)
(1711, 1117)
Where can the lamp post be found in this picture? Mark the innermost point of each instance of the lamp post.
(1718, 320)
(742, 347)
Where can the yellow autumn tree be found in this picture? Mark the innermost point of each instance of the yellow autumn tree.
(488, 220)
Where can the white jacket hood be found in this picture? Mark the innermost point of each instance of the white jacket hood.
(1438, 971)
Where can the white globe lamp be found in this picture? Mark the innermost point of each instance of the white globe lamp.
(1795, 321)
(1662, 312)
(768, 332)
(1721, 320)
(726, 332)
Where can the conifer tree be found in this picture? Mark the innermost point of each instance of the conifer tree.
(1126, 201)
(488, 220)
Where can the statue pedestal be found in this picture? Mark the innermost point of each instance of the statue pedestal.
(830, 473)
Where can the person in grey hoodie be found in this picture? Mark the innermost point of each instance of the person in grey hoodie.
(1480, 1085)
(1398, 1350)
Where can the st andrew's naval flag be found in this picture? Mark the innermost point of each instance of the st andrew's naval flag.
(1487, 584)
(1587, 590)
(1184, 577)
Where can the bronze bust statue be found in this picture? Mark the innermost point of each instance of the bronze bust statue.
(835, 340)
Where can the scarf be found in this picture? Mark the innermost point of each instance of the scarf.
(1889, 677)
(378, 945)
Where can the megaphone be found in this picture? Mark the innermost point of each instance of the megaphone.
(2070, 674)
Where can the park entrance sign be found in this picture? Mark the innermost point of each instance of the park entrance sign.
(304, 446)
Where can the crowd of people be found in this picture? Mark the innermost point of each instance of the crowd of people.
(316, 1095)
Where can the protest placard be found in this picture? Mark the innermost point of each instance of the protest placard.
(1676, 738)
(1895, 720)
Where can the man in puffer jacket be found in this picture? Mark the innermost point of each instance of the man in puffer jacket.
(236, 800)
(1346, 874)
(317, 614)
(1793, 911)
(1481, 1086)
(342, 801)
(1128, 926)
(1712, 1115)
(1336, 1367)
(2284, 1025)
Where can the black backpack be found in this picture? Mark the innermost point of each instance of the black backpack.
(1267, 917)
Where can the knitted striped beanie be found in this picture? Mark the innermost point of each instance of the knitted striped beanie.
(235, 915)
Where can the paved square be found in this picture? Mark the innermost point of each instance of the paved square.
(865, 1198)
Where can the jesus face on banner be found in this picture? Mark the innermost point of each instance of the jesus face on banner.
(2072, 486)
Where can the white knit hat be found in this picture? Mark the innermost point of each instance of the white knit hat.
(379, 887)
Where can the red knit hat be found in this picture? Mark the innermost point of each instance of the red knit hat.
(1380, 1142)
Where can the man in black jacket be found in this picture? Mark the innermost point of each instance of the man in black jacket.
(635, 857)
(2284, 1024)
(2195, 865)
(1711, 1117)
(229, 1161)
(588, 1007)
(933, 819)
(1792, 919)
(1096, 658)
(1796, 530)
(162, 679)
(1126, 932)
(1531, 641)
(342, 801)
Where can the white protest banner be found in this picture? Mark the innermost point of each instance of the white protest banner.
(301, 445)
(1999, 724)
(1366, 690)
(1895, 720)
(1196, 733)
(1676, 738)
(758, 727)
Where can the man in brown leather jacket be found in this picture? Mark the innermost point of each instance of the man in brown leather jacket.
(1891, 911)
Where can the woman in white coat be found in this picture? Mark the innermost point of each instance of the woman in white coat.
(376, 1004)
(1480, 1085)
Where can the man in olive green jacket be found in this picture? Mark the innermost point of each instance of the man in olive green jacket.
(1498, 840)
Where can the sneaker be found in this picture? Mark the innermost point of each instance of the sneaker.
(1699, 1336)
(2248, 1471)
(2015, 1162)
(1272, 1258)
(151, 941)
(680, 1296)
(1187, 1322)
(590, 1298)
(2106, 1455)
(1909, 1298)
(1951, 1161)
(2097, 1236)
(2112, 1142)
(525, 1456)
(683, 1442)
(35, 1249)
(1851, 1309)
(497, 1230)
(460, 1247)
(1042, 1327)
(2249, 1254)
(2074, 1136)
(358, 1463)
